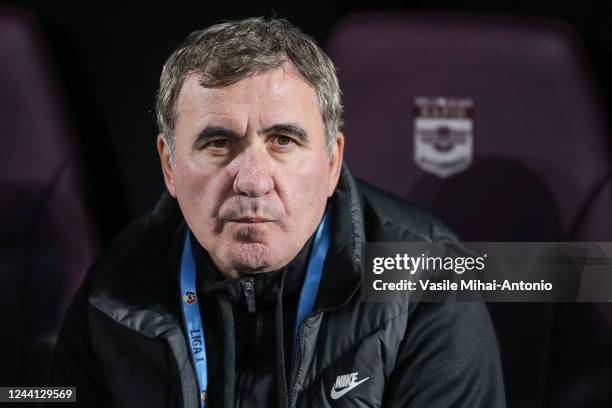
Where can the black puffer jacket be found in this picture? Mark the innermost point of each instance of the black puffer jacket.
(123, 343)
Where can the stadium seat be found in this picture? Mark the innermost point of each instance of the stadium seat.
(46, 237)
(496, 125)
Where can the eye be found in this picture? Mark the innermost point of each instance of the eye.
(217, 144)
(284, 140)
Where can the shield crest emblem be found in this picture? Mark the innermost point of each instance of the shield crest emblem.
(443, 134)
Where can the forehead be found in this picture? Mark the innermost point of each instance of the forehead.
(272, 94)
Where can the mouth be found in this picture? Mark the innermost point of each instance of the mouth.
(251, 220)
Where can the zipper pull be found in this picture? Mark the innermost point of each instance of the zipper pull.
(248, 287)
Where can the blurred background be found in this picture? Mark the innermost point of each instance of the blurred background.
(527, 158)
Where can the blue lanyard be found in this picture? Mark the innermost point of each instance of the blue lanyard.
(191, 310)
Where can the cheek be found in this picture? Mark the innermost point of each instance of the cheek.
(304, 187)
(199, 191)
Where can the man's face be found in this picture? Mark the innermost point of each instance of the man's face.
(252, 173)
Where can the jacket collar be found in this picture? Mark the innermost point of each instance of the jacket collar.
(342, 271)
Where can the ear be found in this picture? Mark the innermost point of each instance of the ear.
(167, 169)
(335, 163)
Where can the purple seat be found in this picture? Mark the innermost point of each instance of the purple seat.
(495, 124)
(46, 237)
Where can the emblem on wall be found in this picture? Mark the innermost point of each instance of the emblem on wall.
(443, 134)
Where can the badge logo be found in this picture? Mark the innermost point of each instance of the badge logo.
(189, 298)
(344, 383)
(443, 134)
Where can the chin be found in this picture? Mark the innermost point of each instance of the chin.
(250, 257)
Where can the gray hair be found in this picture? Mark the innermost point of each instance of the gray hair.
(228, 52)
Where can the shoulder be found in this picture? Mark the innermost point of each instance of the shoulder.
(140, 239)
(139, 261)
(389, 217)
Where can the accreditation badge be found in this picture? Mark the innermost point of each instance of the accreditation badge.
(443, 134)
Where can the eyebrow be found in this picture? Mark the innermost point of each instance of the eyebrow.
(213, 131)
(210, 132)
(289, 128)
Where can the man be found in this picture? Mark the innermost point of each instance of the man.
(242, 287)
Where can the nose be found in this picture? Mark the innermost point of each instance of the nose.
(253, 173)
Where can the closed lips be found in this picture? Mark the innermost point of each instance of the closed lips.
(251, 220)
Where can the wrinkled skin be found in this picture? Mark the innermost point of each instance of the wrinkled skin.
(252, 173)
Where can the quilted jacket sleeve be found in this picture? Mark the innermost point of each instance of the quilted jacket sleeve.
(448, 358)
(74, 362)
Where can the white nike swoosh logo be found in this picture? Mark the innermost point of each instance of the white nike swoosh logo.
(337, 394)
